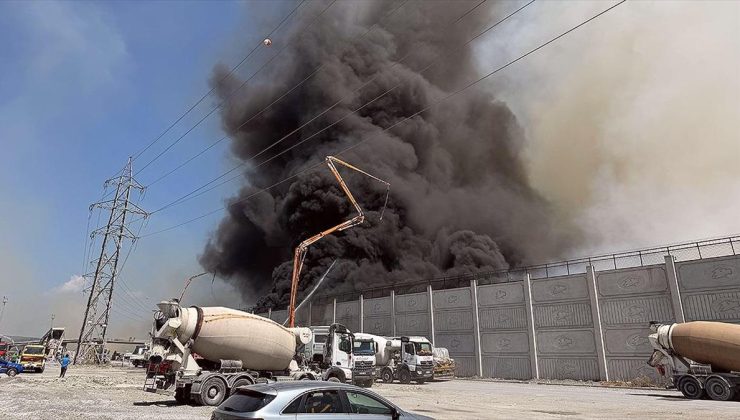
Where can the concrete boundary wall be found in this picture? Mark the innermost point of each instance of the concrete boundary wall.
(590, 326)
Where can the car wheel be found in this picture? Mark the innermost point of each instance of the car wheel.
(212, 391)
(404, 376)
(387, 376)
(719, 389)
(11, 372)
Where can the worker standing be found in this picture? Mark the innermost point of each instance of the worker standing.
(65, 363)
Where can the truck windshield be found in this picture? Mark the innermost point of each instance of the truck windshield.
(364, 348)
(33, 350)
(423, 349)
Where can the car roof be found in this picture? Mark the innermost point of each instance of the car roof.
(274, 387)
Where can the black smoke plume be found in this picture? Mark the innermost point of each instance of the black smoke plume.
(460, 199)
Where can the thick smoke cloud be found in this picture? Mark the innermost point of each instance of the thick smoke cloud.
(460, 198)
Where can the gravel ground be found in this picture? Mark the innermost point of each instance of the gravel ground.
(115, 393)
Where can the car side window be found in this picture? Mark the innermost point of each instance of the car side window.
(323, 402)
(364, 404)
(293, 407)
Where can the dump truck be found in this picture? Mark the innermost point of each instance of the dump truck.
(363, 360)
(33, 358)
(444, 365)
(700, 358)
(404, 359)
(235, 348)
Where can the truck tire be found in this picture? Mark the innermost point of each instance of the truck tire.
(11, 372)
(718, 388)
(212, 392)
(369, 383)
(334, 379)
(404, 376)
(387, 376)
(690, 387)
(239, 382)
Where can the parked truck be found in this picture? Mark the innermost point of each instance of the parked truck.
(700, 358)
(235, 348)
(404, 359)
(33, 358)
(363, 360)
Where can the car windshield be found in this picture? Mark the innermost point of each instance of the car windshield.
(246, 401)
(364, 347)
(34, 350)
(423, 349)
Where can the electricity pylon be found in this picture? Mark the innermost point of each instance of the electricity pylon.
(91, 342)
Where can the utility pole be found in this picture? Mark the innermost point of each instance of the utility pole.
(52, 321)
(91, 342)
(2, 311)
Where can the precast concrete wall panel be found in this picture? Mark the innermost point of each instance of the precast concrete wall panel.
(710, 289)
(454, 327)
(301, 316)
(505, 345)
(412, 315)
(628, 300)
(322, 314)
(566, 344)
(348, 314)
(377, 313)
(279, 316)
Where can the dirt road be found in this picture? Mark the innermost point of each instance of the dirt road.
(115, 393)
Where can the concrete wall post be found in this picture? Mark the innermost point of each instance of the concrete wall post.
(672, 275)
(362, 314)
(430, 294)
(596, 317)
(334, 312)
(476, 326)
(393, 311)
(533, 362)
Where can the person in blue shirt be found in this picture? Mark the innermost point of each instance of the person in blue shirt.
(65, 363)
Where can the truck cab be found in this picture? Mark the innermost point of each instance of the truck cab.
(33, 358)
(337, 358)
(363, 360)
(417, 355)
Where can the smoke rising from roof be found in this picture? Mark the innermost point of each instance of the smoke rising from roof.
(460, 202)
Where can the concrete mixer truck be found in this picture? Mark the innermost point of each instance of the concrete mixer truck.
(205, 353)
(404, 359)
(700, 358)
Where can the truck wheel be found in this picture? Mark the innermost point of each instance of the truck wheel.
(369, 383)
(334, 379)
(212, 392)
(11, 372)
(719, 389)
(404, 376)
(387, 376)
(239, 382)
(690, 387)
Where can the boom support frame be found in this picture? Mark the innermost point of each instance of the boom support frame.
(302, 248)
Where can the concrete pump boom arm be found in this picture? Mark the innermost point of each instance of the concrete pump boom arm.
(302, 248)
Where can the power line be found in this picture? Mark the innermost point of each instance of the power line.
(195, 193)
(280, 98)
(233, 69)
(432, 104)
(231, 95)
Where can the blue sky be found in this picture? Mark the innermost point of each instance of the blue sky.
(83, 85)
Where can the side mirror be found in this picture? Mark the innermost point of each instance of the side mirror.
(394, 414)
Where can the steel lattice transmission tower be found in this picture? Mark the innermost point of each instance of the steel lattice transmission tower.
(115, 233)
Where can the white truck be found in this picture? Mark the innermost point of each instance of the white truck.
(404, 359)
(700, 358)
(363, 360)
(204, 353)
(140, 356)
